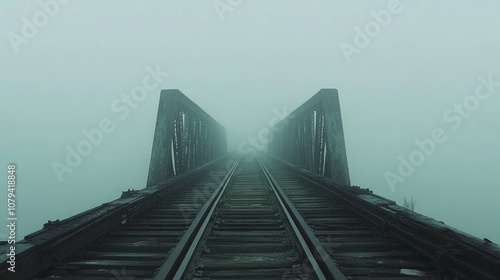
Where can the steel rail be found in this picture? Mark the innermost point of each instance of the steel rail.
(176, 265)
(420, 243)
(58, 240)
(323, 265)
(430, 240)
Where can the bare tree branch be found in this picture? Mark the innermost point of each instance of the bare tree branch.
(409, 204)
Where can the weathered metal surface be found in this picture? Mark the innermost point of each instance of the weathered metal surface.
(182, 253)
(357, 246)
(322, 262)
(365, 236)
(312, 137)
(452, 251)
(60, 239)
(185, 137)
(138, 248)
(250, 237)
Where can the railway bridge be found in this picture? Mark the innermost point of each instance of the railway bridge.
(290, 213)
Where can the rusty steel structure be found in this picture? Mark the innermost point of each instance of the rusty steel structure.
(312, 137)
(207, 214)
(185, 137)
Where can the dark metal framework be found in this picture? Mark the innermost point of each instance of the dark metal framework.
(185, 137)
(312, 137)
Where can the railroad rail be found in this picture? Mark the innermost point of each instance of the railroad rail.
(128, 233)
(371, 237)
(263, 219)
(252, 235)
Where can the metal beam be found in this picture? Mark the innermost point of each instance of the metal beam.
(185, 137)
(312, 137)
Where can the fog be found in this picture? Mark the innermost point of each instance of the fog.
(406, 71)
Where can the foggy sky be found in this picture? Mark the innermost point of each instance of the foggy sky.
(241, 65)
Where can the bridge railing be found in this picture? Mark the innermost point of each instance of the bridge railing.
(185, 137)
(312, 137)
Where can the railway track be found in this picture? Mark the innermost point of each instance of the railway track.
(244, 229)
(258, 220)
(370, 237)
(139, 247)
(252, 236)
(359, 248)
(122, 239)
(249, 236)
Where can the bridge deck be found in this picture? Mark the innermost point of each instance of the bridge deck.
(257, 220)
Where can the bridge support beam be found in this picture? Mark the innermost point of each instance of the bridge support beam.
(185, 137)
(312, 137)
